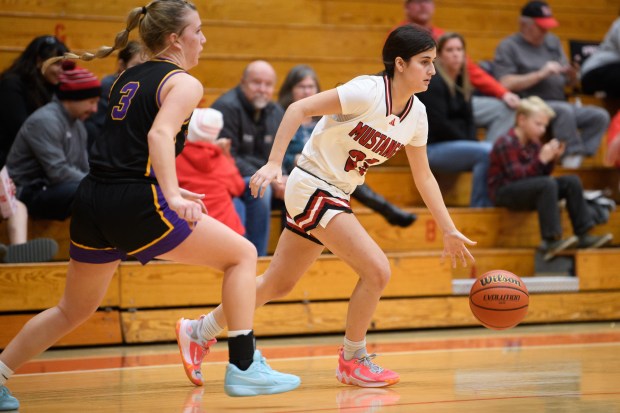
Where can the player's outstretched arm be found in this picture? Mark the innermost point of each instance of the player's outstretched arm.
(324, 103)
(454, 242)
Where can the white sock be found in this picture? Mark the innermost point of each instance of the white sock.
(236, 333)
(353, 349)
(5, 373)
(208, 327)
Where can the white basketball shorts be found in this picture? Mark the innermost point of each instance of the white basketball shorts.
(311, 201)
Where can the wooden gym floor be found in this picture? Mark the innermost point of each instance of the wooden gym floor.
(554, 368)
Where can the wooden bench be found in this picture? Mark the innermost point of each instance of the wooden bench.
(27, 289)
(279, 319)
(340, 38)
(145, 301)
(490, 227)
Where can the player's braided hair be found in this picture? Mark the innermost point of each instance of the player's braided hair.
(156, 21)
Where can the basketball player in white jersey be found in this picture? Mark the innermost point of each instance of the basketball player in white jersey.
(365, 122)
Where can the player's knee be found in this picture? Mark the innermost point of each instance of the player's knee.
(378, 273)
(77, 314)
(244, 254)
(247, 251)
(282, 288)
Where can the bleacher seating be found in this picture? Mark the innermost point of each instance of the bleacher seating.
(340, 39)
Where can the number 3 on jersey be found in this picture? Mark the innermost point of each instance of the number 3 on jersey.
(128, 92)
(357, 161)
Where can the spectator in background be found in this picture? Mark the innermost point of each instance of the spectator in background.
(251, 120)
(50, 157)
(493, 106)
(532, 62)
(206, 167)
(519, 179)
(601, 71)
(452, 143)
(301, 82)
(20, 249)
(24, 89)
(612, 156)
(131, 55)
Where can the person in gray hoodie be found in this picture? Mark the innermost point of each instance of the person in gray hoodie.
(49, 157)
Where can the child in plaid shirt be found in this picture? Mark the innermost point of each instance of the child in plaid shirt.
(519, 179)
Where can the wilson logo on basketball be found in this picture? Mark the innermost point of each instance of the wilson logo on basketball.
(499, 278)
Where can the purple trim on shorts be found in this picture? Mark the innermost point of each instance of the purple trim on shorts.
(175, 237)
(95, 256)
(178, 234)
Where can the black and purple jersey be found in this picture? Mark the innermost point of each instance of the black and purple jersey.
(121, 152)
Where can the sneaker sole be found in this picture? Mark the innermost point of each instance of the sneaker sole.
(352, 381)
(602, 242)
(568, 243)
(190, 369)
(36, 250)
(249, 391)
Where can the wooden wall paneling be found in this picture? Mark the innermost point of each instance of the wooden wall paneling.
(26, 287)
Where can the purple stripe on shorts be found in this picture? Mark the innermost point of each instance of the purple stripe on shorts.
(175, 237)
(91, 256)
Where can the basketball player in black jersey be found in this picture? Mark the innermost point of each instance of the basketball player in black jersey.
(131, 204)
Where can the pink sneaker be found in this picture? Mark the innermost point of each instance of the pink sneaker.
(363, 372)
(192, 351)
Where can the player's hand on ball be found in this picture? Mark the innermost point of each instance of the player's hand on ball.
(259, 182)
(454, 247)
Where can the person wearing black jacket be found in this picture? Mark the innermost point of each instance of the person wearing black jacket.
(24, 89)
(452, 142)
(251, 120)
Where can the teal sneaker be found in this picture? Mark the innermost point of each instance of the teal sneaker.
(7, 401)
(258, 379)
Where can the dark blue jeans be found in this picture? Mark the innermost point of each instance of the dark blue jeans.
(49, 202)
(255, 214)
(542, 194)
(460, 156)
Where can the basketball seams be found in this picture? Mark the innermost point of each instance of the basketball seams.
(498, 309)
(510, 287)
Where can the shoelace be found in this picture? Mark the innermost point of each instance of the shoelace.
(367, 361)
(264, 365)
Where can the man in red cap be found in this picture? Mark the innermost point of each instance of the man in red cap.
(532, 62)
(494, 110)
(49, 157)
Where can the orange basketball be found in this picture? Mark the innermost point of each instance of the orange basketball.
(499, 299)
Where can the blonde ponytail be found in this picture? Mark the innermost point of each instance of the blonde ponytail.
(157, 20)
(120, 41)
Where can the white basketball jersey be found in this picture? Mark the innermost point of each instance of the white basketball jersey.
(343, 147)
